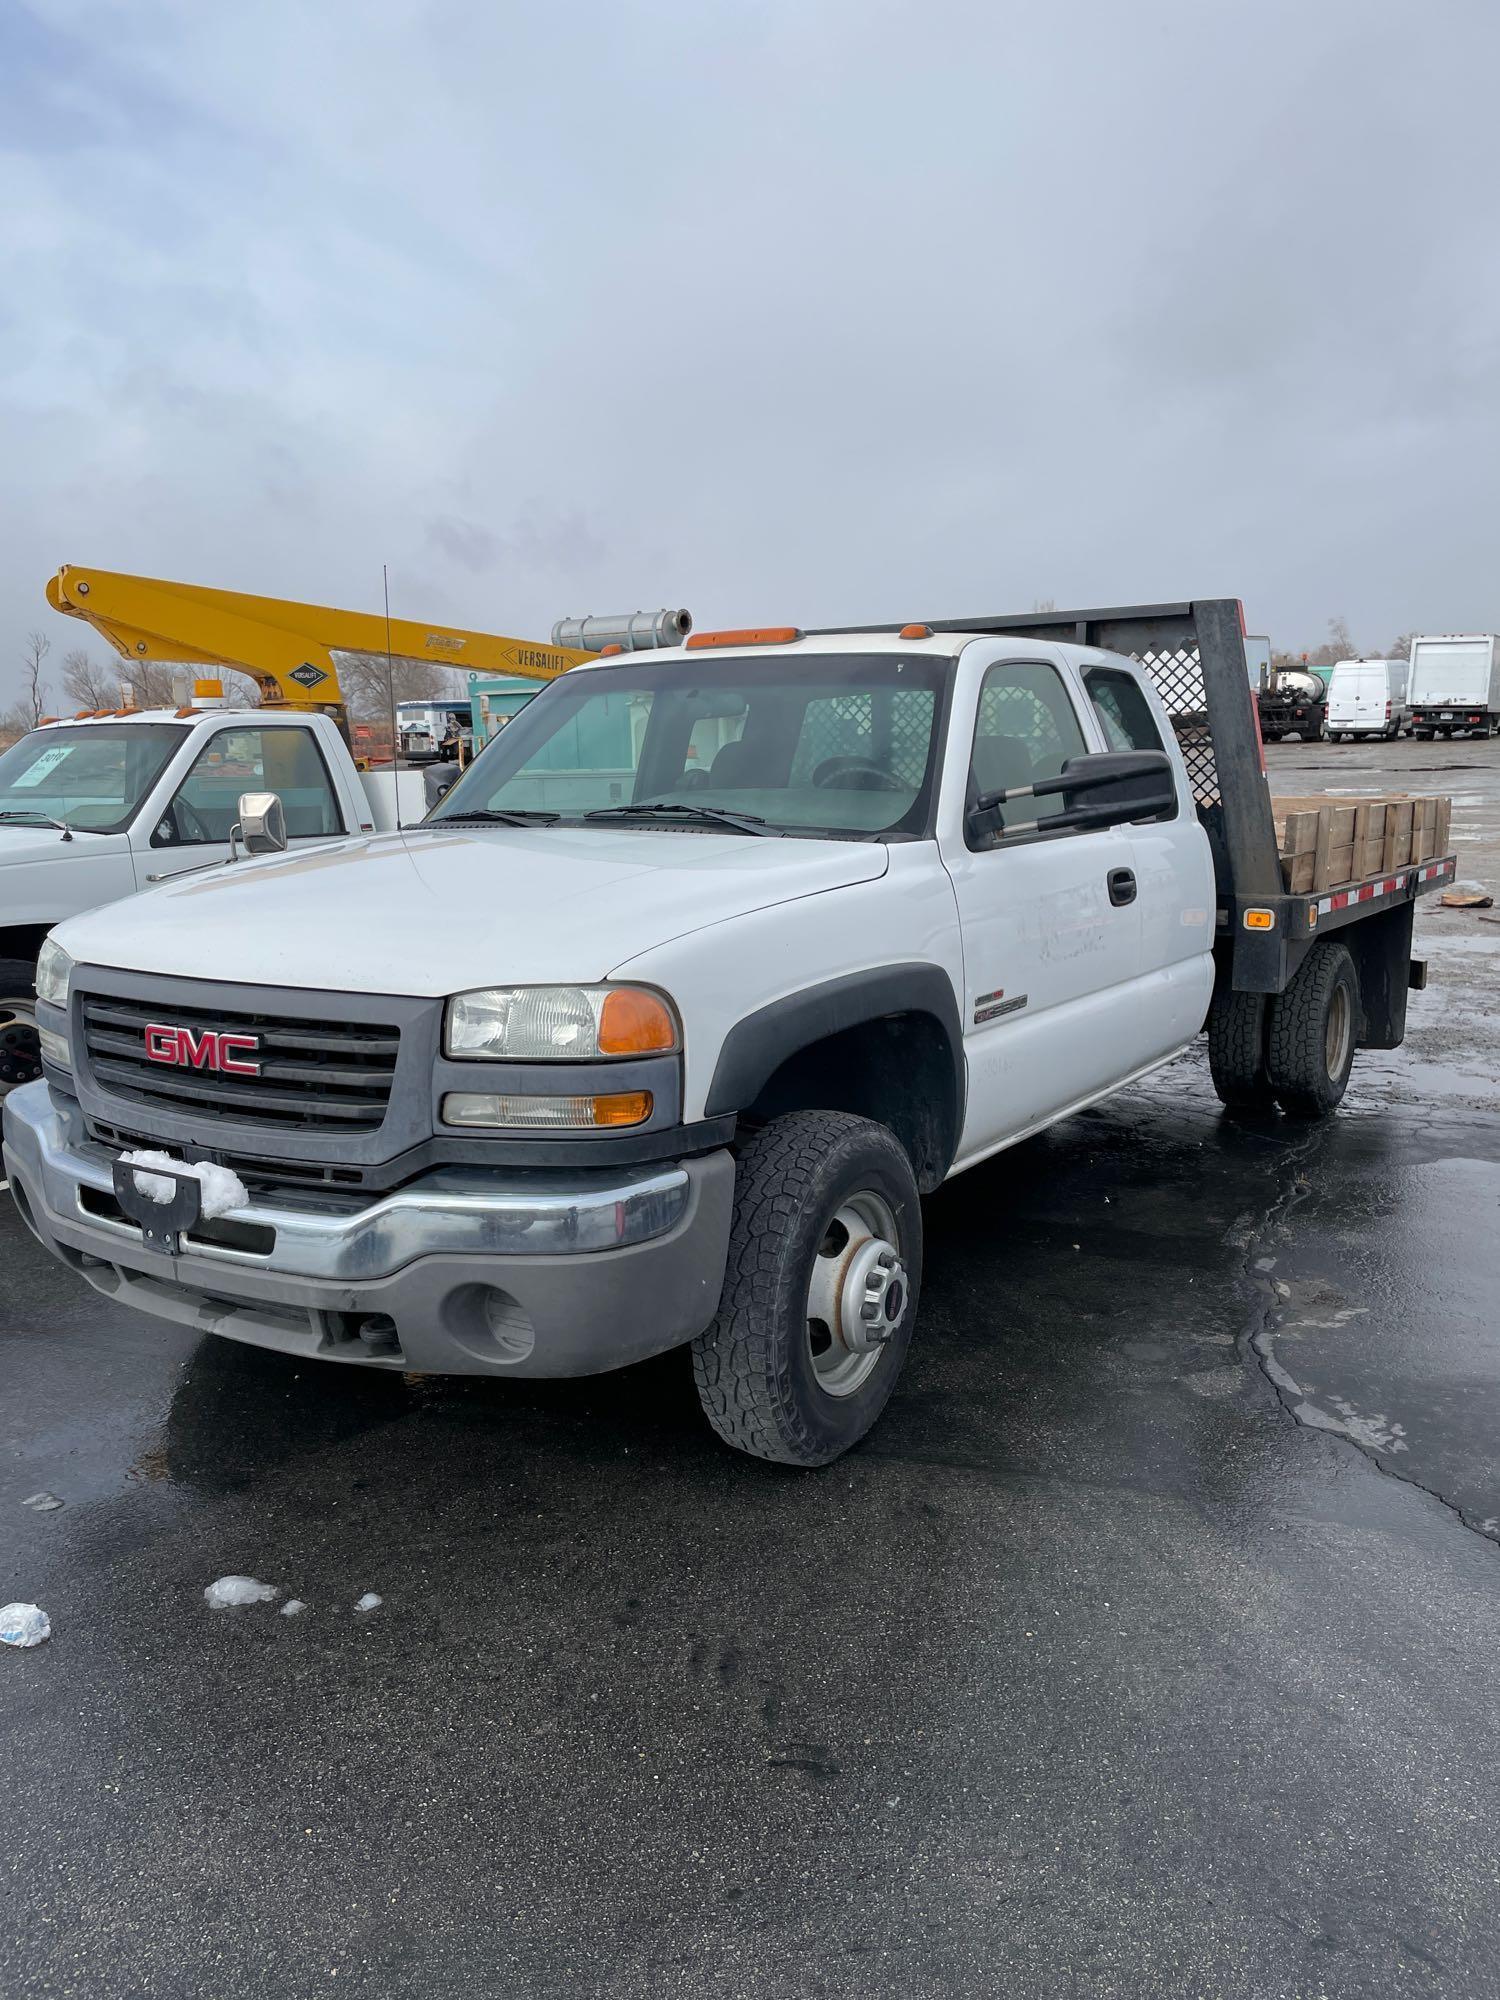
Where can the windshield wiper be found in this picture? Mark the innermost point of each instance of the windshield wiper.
(28, 818)
(506, 816)
(709, 815)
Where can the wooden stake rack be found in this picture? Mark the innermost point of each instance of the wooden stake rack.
(1327, 843)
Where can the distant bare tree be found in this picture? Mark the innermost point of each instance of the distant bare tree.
(151, 683)
(34, 701)
(87, 684)
(1339, 645)
(1044, 604)
(15, 721)
(367, 687)
(1400, 646)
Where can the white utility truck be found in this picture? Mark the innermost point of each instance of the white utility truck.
(1455, 684)
(1367, 698)
(657, 1029)
(103, 806)
(431, 730)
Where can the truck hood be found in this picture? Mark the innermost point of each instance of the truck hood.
(435, 910)
(21, 843)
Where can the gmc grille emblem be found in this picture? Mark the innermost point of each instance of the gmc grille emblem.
(205, 1048)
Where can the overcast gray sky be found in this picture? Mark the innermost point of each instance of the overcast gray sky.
(797, 311)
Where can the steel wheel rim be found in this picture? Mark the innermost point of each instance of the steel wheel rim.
(1336, 1033)
(858, 1293)
(17, 1012)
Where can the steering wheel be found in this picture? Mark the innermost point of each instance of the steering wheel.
(855, 774)
(185, 824)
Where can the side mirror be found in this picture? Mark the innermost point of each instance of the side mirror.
(1104, 788)
(262, 824)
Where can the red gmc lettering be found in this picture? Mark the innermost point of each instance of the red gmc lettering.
(202, 1049)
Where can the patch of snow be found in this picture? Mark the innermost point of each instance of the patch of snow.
(292, 1606)
(42, 1503)
(222, 1190)
(23, 1625)
(369, 1602)
(228, 1591)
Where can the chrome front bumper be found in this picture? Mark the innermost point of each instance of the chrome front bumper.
(609, 1266)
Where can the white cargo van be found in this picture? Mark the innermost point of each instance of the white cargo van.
(1367, 698)
(1455, 684)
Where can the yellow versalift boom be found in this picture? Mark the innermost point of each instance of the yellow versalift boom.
(287, 648)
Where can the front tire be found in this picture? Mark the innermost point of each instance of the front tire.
(820, 1292)
(20, 1050)
(1313, 1032)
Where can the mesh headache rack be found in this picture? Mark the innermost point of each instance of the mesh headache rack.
(1194, 655)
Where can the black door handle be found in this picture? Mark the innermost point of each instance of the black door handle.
(1121, 886)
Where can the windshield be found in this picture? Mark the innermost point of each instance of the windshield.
(91, 778)
(837, 746)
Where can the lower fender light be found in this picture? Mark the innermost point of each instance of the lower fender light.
(512, 1112)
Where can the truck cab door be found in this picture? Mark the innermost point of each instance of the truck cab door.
(1051, 923)
(1172, 864)
(187, 825)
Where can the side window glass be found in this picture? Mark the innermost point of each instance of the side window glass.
(286, 761)
(1027, 729)
(1123, 712)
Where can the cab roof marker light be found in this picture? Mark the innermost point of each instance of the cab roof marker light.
(915, 632)
(756, 635)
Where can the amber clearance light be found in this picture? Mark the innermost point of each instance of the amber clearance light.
(755, 635)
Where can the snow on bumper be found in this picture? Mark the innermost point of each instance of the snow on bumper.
(466, 1271)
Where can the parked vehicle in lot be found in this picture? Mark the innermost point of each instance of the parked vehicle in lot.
(438, 730)
(155, 790)
(1454, 685)
(708, 968)
(102, 806)
(1367, 698)
(1293, 702)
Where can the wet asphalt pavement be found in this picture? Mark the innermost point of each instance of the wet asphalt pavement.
(1151, 1646)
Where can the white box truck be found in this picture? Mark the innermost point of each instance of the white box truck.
(1454, 684)
(1367, 698)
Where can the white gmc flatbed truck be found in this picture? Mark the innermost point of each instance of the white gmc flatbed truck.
(657, 1028)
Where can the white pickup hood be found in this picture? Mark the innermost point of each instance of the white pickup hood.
(436, 910)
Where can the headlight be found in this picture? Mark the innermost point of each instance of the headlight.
(53, 970)
(558, 1023)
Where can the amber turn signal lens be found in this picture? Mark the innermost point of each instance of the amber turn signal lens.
(627, 1107)
(634, 1023)
(545, 1114)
